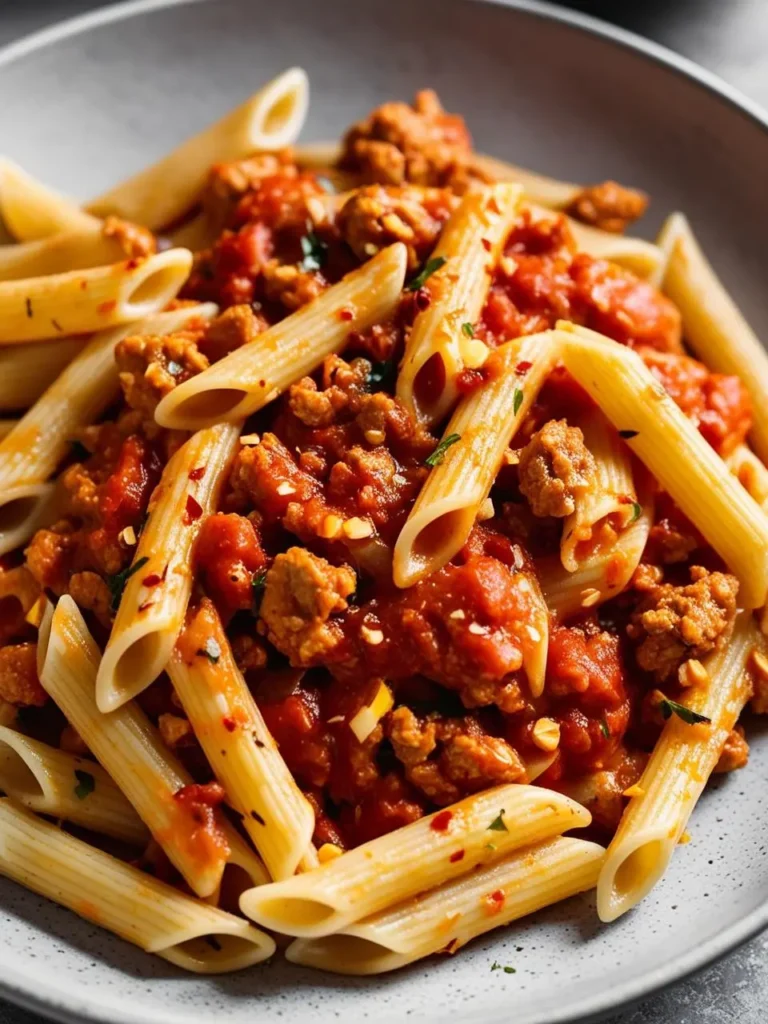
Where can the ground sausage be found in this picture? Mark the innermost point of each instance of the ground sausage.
(555, 469)
(19, 683)
(608, 206)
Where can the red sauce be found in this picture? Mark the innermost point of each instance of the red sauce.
(228, 555)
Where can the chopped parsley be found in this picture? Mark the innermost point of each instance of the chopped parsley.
(628, 434)
(498, 824)
(517, 400)
(85, 784)
(429, 268)
(490, 846)
(671, 707)
(211, 650)
(382, 376)
(315, 252)
(437, 456)
(118, 580)
(468, 329)
(258, 583)
(604, 729)
(496, 966)
(637, 510)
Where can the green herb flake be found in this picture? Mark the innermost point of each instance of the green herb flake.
(671, 707)
(490, 846)
(117, 582)
(258, 583)
(437, 456)
(211, 650)
(517, 400)
(604, 729)
(510, 970)
(315, 252)
(496, 966)
(498, 824)
(468, 329)
(85, 784)
(637, 511)
(429, 268)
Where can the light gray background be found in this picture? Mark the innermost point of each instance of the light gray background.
(729, 37)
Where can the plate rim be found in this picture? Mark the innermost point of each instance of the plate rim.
(59, 1004)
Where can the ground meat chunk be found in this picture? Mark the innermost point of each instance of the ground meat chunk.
(376, 216)
(49, 556)
(229, 182)
(301, 594)
(135, 241)
(735, 752)
(608, 206)
(291, 286)
(466, 758)
(556, 468)
(152, 365)
(420, 143)
(675, 623)
(19, 683)
(89, 591)
(237, 326)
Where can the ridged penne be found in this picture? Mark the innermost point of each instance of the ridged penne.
(431, 851)
(674, 778)
(152, 915)
(751, 473)
(449, 916)
(27, 370)
(538, 188)
(55, 782)
(30, 453)
(81, 301)
(251, 376)
(154, 602)
(675, 453)
(244, 757)
(31, 210)
(270, 119)
(129, 748)
(606, 508)
(713, 325)
(57, 254)
(470, 246)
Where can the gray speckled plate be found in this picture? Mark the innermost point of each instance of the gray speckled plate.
(86, 103)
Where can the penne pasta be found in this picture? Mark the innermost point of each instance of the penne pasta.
(713, 325)
(433, 850)
(271, 119)
(54, 782)
(483, 425)
(538, 188)
(27, 370)
(80, 301)
(58, 254)
(30, 452)
(607, 508)
(151, 612)
(31, 210)
(675, 453)
(152, 915)
(674, 778)
(751, 473)
(469, 247)
(636, 254)
(251, 376)
(449, 916)
(244, 757)
(129, 748)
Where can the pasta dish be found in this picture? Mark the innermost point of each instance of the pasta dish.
(383, 541)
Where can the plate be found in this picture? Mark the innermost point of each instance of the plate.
(86, 103)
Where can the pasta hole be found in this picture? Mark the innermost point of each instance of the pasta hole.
(440, 534)
(642, 864)
(293, 912)
(208, 406)
(152, 289)
(15, 512)
(135, 667)
(429, 383)
(16, 777)
(358, 955)
(209, 953)
(280, 113)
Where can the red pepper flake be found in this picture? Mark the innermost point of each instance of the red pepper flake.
(107, 307)
(441, 821)
(229, 723)
(456, 857)
(523, 367)
(485, 242)
(193, 510)
(345, 314)
(495, 901)
(423, 299)
(625, 499)
(152, 580)
(133, 263)
(197, 474)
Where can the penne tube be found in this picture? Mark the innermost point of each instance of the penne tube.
(470, 246)
(483, 424)
(129, 748)
(57, 254)
(429, 852)
(154, 602)
(674, 778)
(598, 578)
(538, 188)
(152, 915)
(271, 119)
(31, 210)
(240, 750)
(607, 508)
(676, 454)
(713, 325)
(27, 370)
(195, 234)
(751, 473)
(253, 375)
(81, 301)
(31, 452)
(54, 782)
(636, 254)
(449, 916)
